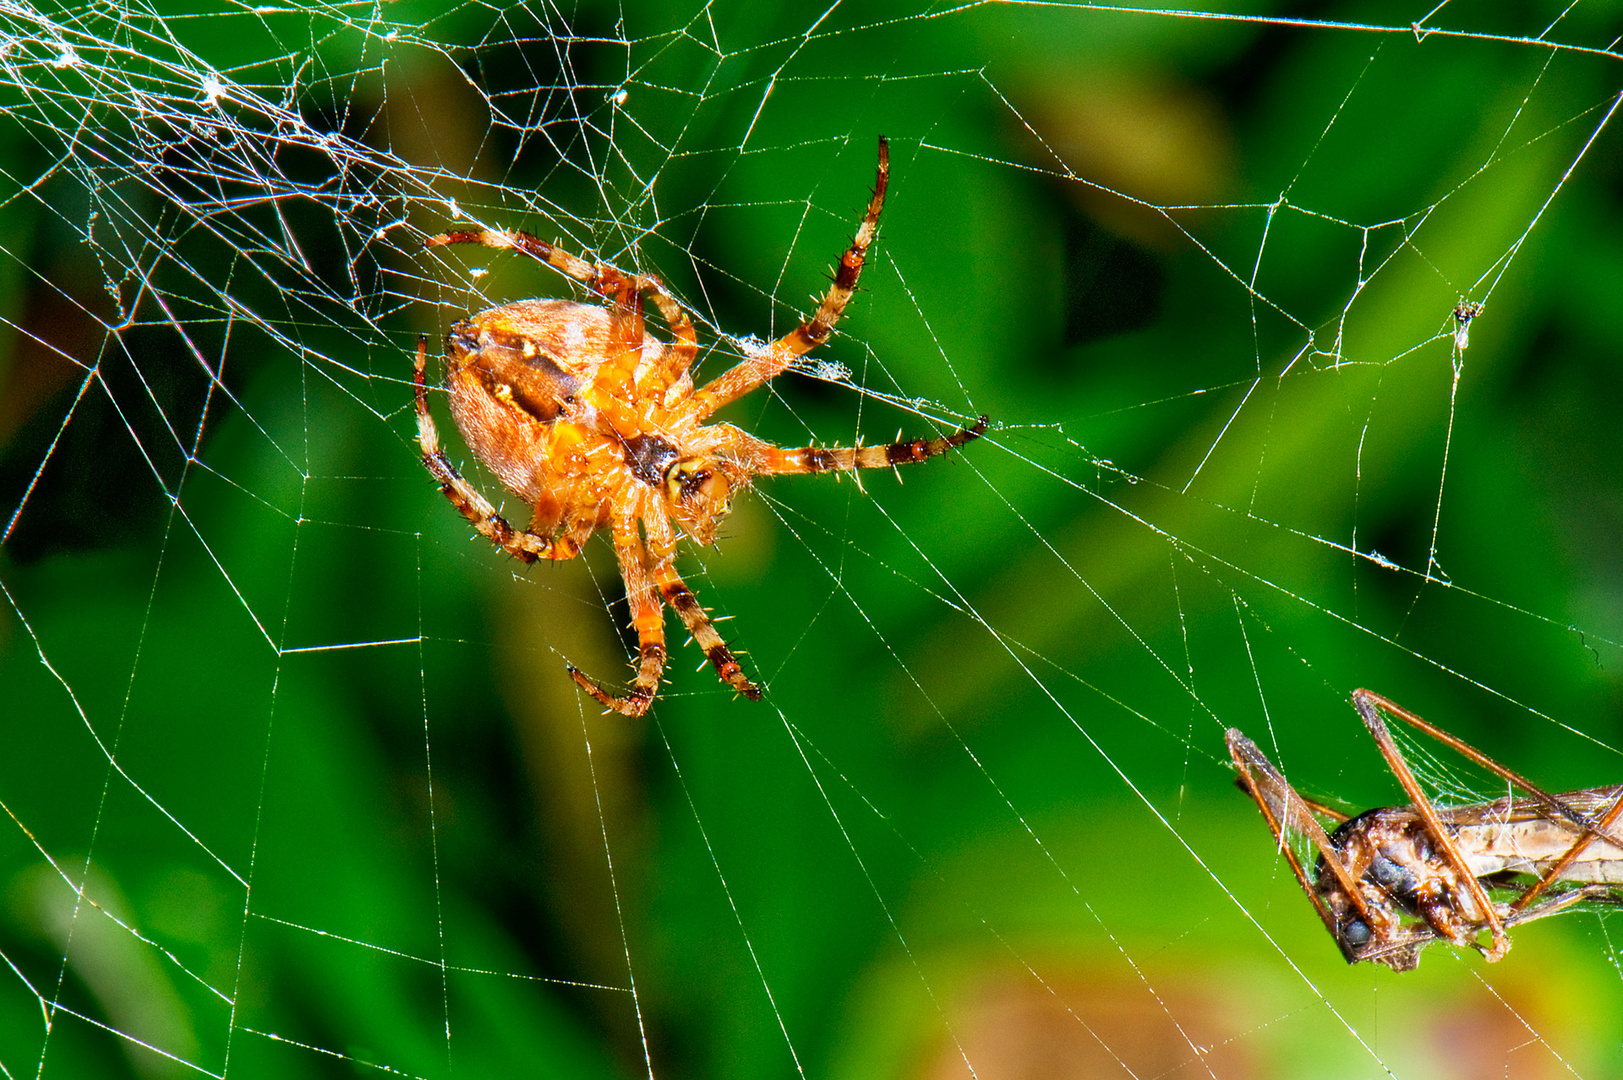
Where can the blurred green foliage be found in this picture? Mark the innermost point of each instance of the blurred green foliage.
(317, 755)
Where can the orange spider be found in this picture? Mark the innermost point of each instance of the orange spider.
(595, 423)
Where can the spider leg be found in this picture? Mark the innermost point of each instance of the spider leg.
(576, 267)
(765, 458)
(519, 240)
(522, 544)
(681, 598)
(681, 354)
(626, 331)
(762, 365)
(662, 549)
(671, 381)
(647, 618)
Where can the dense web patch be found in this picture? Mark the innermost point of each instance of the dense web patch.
(1296, 335)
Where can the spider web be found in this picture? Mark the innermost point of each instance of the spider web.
(294, 782)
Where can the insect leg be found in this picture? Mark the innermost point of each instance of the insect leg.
(1370, 706)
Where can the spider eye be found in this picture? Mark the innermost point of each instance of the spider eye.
(1355, 931)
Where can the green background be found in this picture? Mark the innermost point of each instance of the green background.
(296, 782)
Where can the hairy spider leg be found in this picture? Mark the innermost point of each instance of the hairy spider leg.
(647, 619)
(614, 380)
(760, 366)
(1369, 706)
(662, 549)
(626, 332)
(576, 267)
(697, 620)
(522, 544)
(763, 457)
(671, 380)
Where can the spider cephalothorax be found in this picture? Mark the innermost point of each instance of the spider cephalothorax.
(595, 423)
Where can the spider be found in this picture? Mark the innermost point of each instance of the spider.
(595, 423)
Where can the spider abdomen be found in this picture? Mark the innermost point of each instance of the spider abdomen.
(521, 384)
(535, 354)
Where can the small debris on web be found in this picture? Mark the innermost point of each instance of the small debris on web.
(1464, 312)
(829, 371)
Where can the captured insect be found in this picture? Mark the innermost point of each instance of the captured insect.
(1464, 312)
(1391, 881)
(595, 423)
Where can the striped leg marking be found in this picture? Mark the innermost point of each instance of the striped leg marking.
(775, 358)
(815, 459)
(681, 598)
